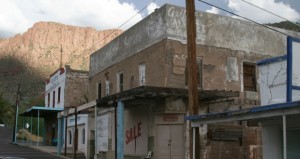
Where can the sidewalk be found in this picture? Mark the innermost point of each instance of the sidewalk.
(48, 149)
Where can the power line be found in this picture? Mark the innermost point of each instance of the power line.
(152, 1)
(270, 12)
(244, 18)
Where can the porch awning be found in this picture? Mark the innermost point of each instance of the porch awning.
(258, 113)
(150, 93)
(43, 111)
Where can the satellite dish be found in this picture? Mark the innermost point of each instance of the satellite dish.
(26, 125)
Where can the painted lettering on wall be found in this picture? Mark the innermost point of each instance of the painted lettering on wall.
(133, 133)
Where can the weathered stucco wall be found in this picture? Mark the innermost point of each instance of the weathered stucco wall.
(154, 59)
(212, 30)
(76, 87)
(142, 35)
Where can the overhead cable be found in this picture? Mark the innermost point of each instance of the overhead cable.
(270, 12)
(244, 18)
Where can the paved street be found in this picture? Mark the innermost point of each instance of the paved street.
(10, 151)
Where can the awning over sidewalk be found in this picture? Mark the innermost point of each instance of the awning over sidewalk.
(259, 113)
(148, 92)
(41, 111)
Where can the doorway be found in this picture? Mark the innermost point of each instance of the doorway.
(170, 142)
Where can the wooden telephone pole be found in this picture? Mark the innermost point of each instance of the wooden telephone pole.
(192, 76)
(16, 116)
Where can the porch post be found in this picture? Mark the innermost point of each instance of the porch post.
(58, 146)
(120, 128)
(31, 129)
(23, 127)
(96, 124)
(38, 129)
(284, 136)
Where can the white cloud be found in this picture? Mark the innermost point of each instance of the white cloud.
(251, 12)
(16, 16)
(151, 8)
(213, 10)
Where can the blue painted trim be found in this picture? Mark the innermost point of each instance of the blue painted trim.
(245, 111)
(289, 70)
(295, 39)
(271, 60)
(296, 87)
(120, 130)
(43, 108)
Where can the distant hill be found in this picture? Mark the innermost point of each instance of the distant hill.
(286, 25)
(31, 57)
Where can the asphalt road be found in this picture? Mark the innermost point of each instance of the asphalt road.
(11, 151)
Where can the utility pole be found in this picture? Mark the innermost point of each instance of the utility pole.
(16, 115)
(61, 52)
(75, 136)
(192, 77)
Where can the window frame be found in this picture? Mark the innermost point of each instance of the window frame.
(70, 137)
(53, 99)
(120, 81)
(99, 91)
(254, 77)
(58, 94)
(49, 99)
(83, 136)
(142, 74)
(107, 84)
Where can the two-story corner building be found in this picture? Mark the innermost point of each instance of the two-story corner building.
(145, 69)
(65, 88)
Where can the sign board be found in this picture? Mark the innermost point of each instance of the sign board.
(102, 132)
(293, 64)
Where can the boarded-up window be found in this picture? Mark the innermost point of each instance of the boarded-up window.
(199, 72)
(249, 77)
(99, 90)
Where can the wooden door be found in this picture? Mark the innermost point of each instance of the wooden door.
(169, 142)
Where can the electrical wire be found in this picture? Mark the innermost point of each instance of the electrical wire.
(152, 1)
(270, 12)
(244, 18)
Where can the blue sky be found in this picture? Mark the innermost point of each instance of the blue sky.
(16, 16)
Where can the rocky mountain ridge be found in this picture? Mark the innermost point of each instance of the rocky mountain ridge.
(30, 58)
(40, 46)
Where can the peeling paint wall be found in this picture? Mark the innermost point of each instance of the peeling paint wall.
(272, 80)
(170, 22)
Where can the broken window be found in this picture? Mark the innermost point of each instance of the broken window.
(48, 99)
(53, 99)
(58, 97)
(249, 77)
(199, 72)
(99, 87)
(70, 138)
(120, 82)
(83, 136)
(142, 74)
(107, 84)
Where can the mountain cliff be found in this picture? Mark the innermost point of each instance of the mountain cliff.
(30, 58)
